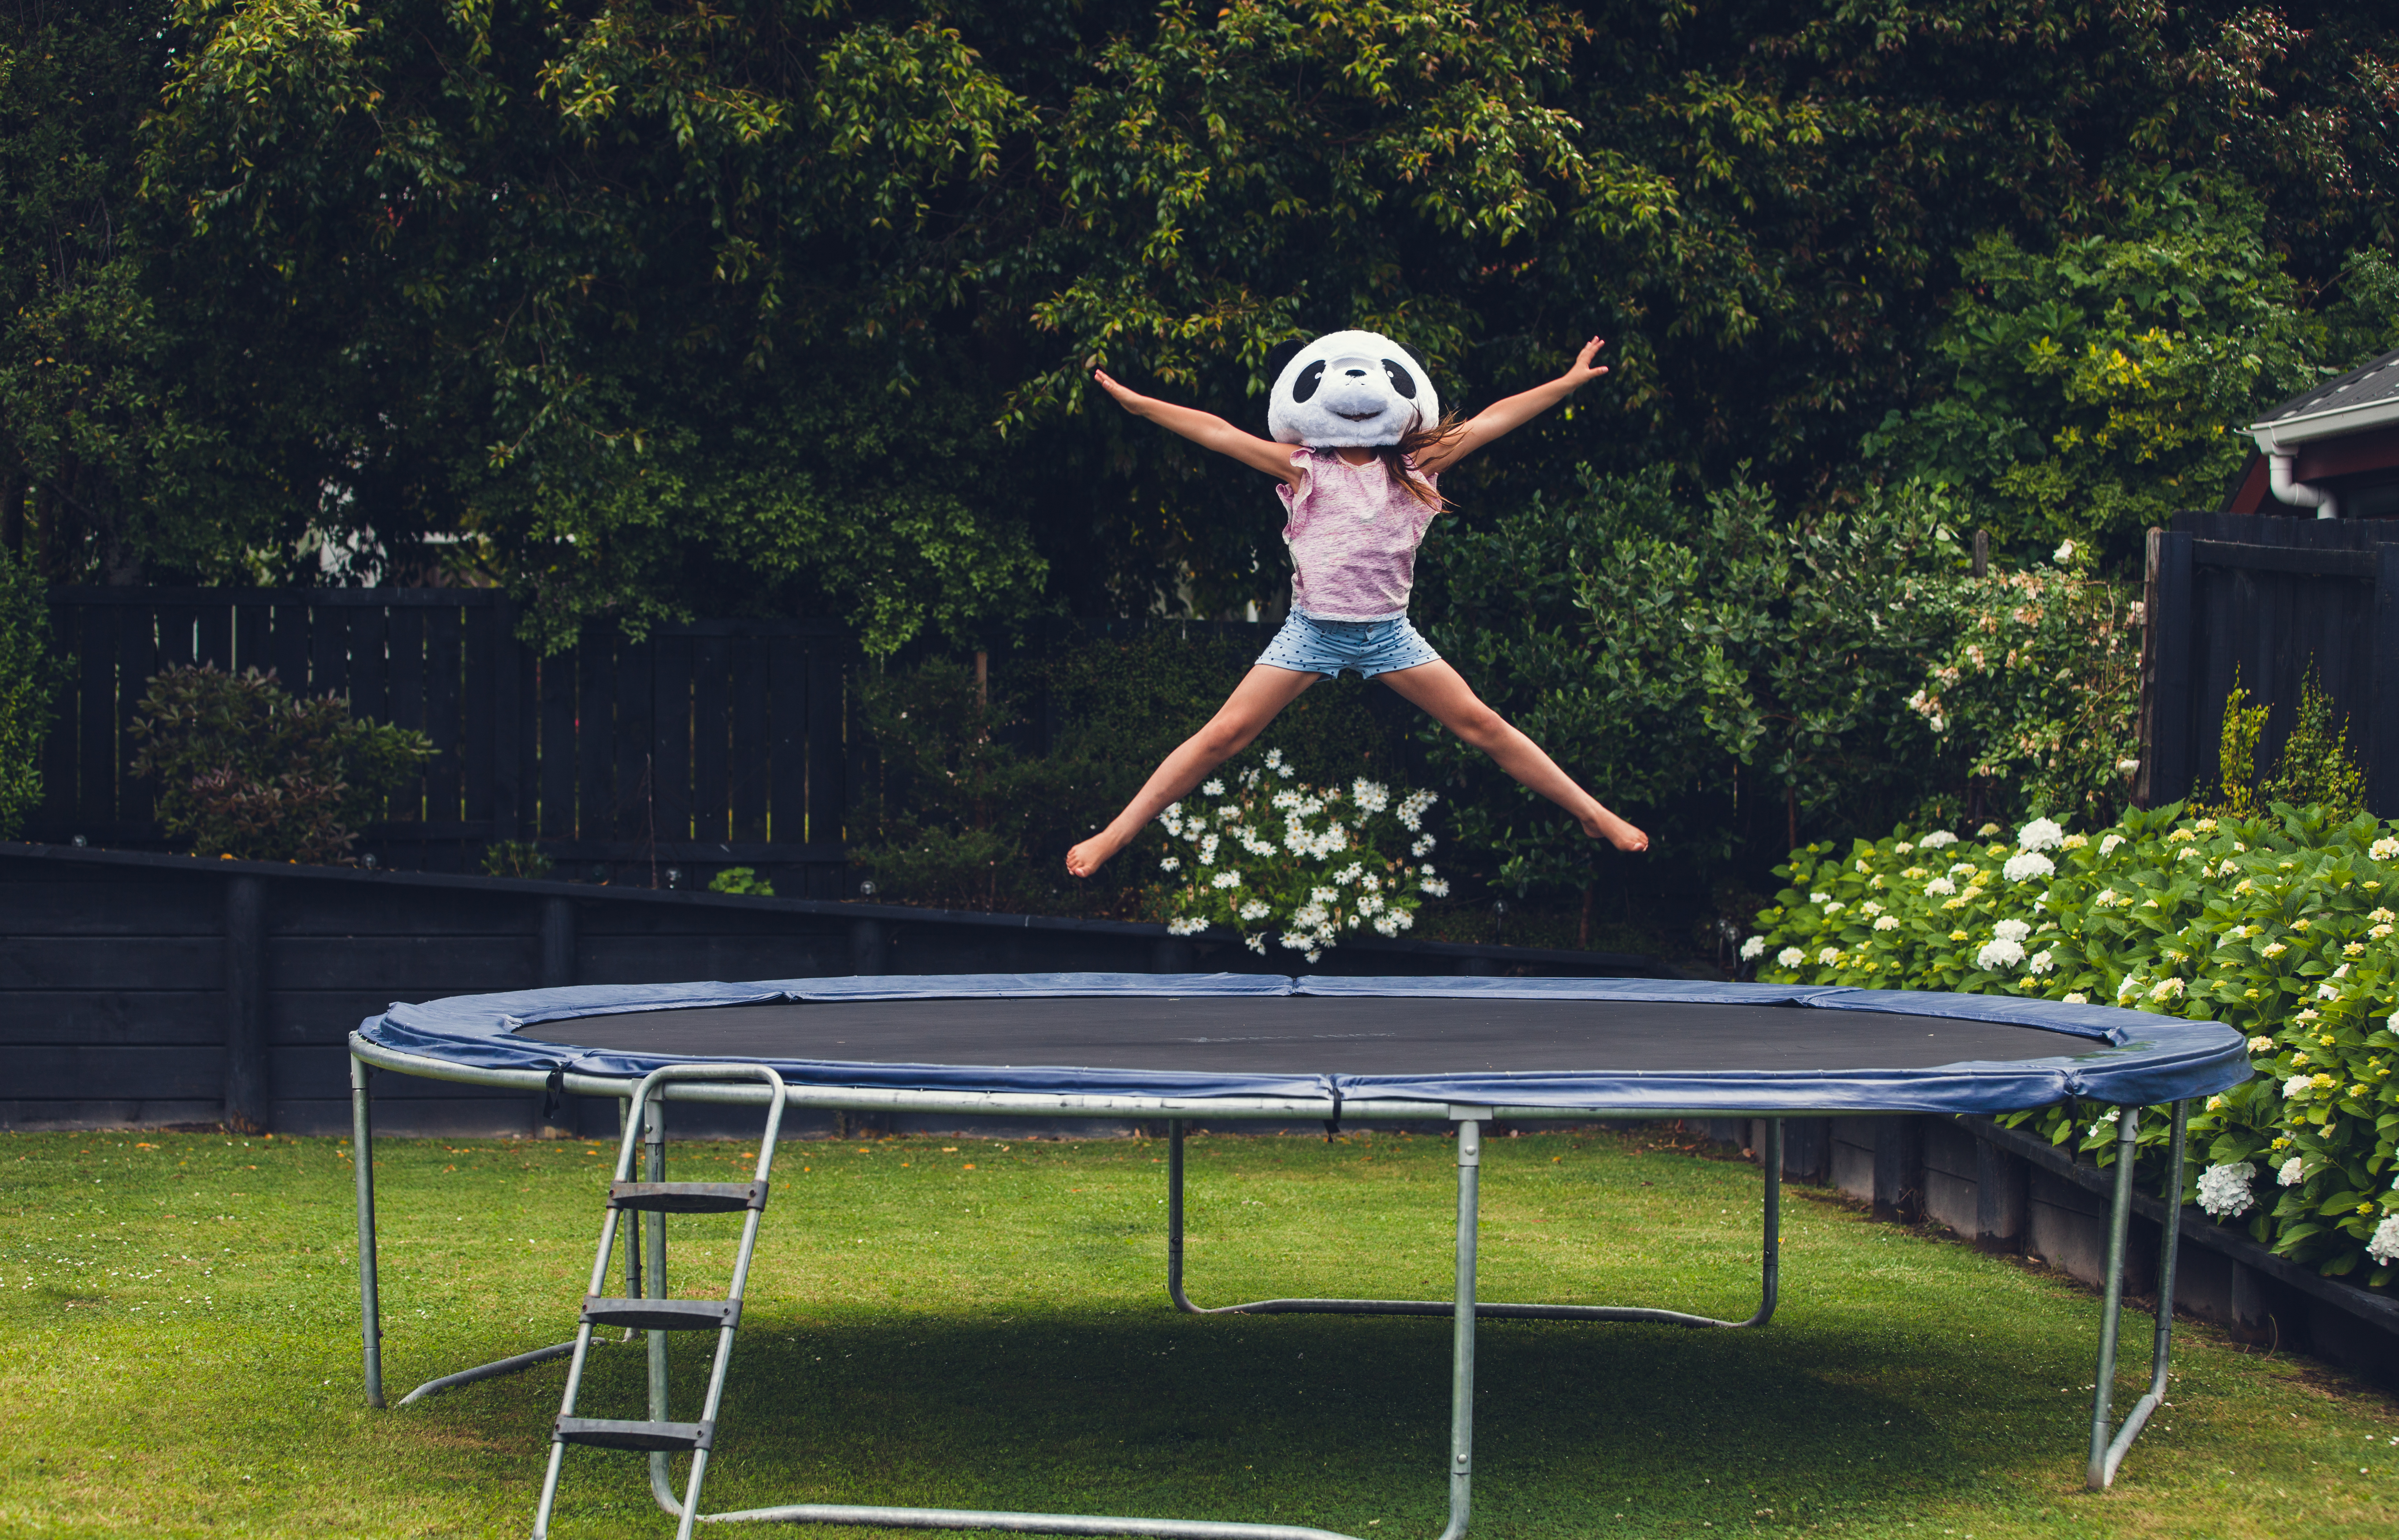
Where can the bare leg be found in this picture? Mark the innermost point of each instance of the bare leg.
(1438, 688)
(1262, 694)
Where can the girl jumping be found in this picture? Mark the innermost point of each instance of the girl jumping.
(1360, 489)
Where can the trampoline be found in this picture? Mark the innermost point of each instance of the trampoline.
(1227, 1048)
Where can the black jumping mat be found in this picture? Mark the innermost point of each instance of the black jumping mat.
(1307, 1035)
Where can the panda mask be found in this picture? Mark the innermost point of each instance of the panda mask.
(1351, 390)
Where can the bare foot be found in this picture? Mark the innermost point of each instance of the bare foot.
(1093, 854)
(1615, 830)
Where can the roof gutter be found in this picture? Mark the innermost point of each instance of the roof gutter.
(2280, 441)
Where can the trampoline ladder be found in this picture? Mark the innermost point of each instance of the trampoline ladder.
(657, 1435)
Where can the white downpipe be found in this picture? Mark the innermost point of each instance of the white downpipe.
(2298, 494)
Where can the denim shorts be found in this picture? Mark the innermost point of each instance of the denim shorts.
(1313, 646)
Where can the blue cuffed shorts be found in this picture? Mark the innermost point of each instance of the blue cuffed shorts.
(1371, 647)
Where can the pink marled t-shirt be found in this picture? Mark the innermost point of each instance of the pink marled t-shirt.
(1353, 536)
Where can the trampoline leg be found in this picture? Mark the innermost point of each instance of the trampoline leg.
(1771, 1247)
(1462, 1371)
(1174, 1219)
(2107, 1453)
(362, 1157)
(2119, 1216)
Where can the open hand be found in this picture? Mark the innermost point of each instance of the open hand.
(1128, 398)
(1582, 370)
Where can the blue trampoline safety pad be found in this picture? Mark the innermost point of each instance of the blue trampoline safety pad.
(1613, 1047)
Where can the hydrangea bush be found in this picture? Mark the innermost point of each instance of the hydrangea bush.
(1298, 865)
(2280, 926)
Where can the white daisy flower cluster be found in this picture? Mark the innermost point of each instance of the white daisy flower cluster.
(1295, 865)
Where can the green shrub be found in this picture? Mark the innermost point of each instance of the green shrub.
(28, 679)
(743, 880)
(966, 811)
(244, 769)
(2279, 926)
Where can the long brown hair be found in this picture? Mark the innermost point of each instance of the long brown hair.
(1414, 442)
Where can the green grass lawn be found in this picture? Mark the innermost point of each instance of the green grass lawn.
(973, 1324)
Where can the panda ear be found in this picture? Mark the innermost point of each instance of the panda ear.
(1278, 359)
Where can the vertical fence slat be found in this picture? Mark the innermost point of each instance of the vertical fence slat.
(60, 784)
(752, 751)
(213, 641)
(370, 678)
(712, 720)
(286, 642)
(329, 651)
(2171, 781)
(137, 659)
(595, 736)
(559, 751)
(480, 765)
(250, 626)
(2380, 739)
(635, 714)
(96, 720)
(443, 662)
(787, 740)
(670, 735)
(827, 748)
(176, 624)
(404, 664)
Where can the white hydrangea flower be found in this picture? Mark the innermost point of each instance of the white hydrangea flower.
(2166, 989)
(2027, 865)
(2040, 962)
(2064, 553)
(2384, 1247)
(2294, 1171)
(2106, 896)
(1938, 838)
(2297, 1088)
(1887, 922)
(1830, 910)
(1998, 954)
(2041, 834)
(1753, 949)
(2383, 850)
(1940, 887)
(2128, 766)
(2011, 930)
(1902, 848)
(2078, 998)
(1830, 956)
(1790, 957)
(2224, 1190)
(1870, 907)
(2327, 992)
(2108, 844)
(1820, 898)
(2261, 1045)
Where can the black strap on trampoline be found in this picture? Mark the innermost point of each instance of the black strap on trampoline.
(553, 1096)
(1333, 1124)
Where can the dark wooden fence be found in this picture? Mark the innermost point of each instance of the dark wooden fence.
(151, 988)
(2272, 597)
(719, 741)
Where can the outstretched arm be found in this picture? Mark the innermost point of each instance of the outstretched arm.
(1207, 430)
(1515, 411)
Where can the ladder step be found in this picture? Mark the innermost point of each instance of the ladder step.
(688, 1197)
(614, 1433)
(663, 1315)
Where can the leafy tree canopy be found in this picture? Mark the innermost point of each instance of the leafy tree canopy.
(645, 309)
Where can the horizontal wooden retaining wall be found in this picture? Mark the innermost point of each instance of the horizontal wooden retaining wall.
(2006, 1191)
(145, 990)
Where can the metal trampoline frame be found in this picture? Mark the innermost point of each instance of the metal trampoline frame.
(2107, 1444)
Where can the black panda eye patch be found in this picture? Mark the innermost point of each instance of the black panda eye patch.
(1310, 378)
(1401, 381)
